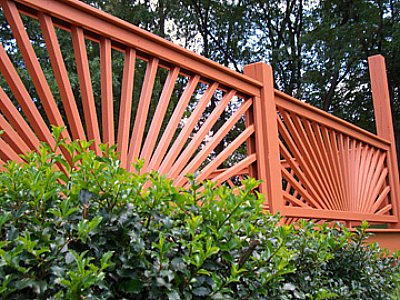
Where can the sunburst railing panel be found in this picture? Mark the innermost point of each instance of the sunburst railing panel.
(108, 82)
(331, 169)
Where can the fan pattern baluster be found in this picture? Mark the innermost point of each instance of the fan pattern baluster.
(165, 114)
(325, 169)
(109, 82)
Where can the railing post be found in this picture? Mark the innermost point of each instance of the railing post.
(384, 124)
(267, 137)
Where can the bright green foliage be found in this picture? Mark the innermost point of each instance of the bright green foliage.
(104, 233)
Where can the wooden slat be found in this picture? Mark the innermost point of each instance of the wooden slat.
(380, 184)
(12, 137)
(368, 182)
(303, 192)
(308, 151)
(352, 175)
(314, 187)
(210, 146)
(294, 200)
(211, 167)
(333, 136)
(142, 112)
(373, 209)
(364, 170)
(173, 125)
(317, 115)
(232, 171)
(61, 75)
(107, 104)
(384, 210)
(332, 167)
(17, 121)
(85, 82)
(318, 160)
(159, 116)
(24, 99)
(8, 153)
(125, 108)
(318, 138)
(380, 166)
(356, 174)
(343, 149)
(103, 24)
(197, 139)
(32, 63)
(310, 193)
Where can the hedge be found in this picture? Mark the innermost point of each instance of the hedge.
(104, 233)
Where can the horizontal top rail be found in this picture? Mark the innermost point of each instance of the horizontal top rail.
(330, 120)
(105, 25)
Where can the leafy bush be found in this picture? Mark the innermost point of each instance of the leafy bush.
(104, 233)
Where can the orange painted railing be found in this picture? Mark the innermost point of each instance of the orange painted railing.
(312, 164)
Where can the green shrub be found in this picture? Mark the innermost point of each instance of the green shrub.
(104, 233)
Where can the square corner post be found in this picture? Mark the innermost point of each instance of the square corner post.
(384, 125)
(267, 137)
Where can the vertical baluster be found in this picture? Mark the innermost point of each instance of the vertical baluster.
(125, 108)
(107, 105)
(142, 112)
(85, 82)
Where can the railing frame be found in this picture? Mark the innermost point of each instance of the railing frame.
(267, 143)
(257, 85)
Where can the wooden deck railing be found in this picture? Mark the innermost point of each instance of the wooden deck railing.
(312, 164)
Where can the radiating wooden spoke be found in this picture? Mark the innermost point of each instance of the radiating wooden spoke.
(89, 106)
(33, 66)
(17, 121)
(210, 146)
(12, 137)
(225, 154)
(8, 153)
(173, 125)
(125, 110)
(61, 75)
(326, 169)
(142, 112)
(159, 115)
(24, 99)
(107, 104)
(198, 137)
